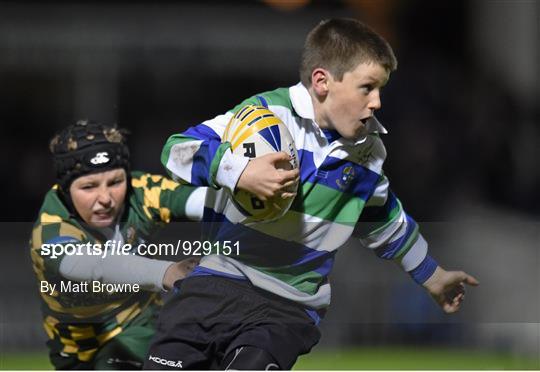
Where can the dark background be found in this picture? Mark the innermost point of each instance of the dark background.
(463, 143)
(461, 109)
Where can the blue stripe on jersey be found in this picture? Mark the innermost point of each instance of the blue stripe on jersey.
(62, 239)
(204, 271)
(259, 249)
(389, 251)
(331, 135)
(339, 174)
(200, 170)
(263, 101)
(325, 268)
(209, 215)
(424, 271)
(314, 255)
(202, 132)
(374, 214)
(314, 315)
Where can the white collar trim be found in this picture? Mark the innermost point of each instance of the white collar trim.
(301, 101)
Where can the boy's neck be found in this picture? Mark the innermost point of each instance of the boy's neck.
(319, 119)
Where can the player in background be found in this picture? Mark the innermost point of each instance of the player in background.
(260, 309)
(97, 199)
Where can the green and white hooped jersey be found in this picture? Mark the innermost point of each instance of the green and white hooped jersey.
(342, 193)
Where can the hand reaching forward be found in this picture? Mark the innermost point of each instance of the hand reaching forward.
(269, 176)
(448, 288)
(179, 270)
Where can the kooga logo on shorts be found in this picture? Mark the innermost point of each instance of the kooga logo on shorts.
(165, 362)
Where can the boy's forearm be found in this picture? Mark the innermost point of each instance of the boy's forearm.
(199, 157)
(421, 273)
(130, 269)
(401, 240)
(230, 169)
(198, 161)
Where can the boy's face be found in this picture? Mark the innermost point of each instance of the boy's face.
(99, 197)
(349, 103)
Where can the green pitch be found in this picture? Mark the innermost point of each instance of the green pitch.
(24, 361)
(417, 358)
(353, 358)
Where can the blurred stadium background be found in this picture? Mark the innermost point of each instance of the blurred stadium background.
(462, 111)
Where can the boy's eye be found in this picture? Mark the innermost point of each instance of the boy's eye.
(117, 181)
(366, 88)
(87, 187)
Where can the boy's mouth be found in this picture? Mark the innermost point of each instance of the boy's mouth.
(104, 213)
(365, 120)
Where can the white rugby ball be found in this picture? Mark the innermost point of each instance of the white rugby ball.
(255, 131)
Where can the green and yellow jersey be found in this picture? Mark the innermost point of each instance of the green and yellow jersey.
(78, 324)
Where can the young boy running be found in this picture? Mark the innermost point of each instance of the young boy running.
(259, 309)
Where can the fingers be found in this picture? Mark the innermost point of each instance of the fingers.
(451, 304)
(471, 280)
(265, 178)
(451, 308)
(278, 156)
(454, 304)
(190, 260)
(448, 288)
(463, 277)
(187, 265)
(452, 299)
(290, 183)
(194, 261)
(288, 195)
(291, 176)
(277, 194)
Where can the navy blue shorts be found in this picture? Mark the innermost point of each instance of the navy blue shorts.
(209, 317)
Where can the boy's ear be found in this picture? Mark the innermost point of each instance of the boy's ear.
(319, 81)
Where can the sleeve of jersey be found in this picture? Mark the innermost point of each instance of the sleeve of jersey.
(51, 252)
(84, 266)
(116, 269)
(392, 234)
(198, 156)
(49, 242)
(181, 201)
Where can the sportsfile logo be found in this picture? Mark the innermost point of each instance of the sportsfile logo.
(165, 362)
(100, 158)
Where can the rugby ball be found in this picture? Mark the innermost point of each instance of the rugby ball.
(255, 131)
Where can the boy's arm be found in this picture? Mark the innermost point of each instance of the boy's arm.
(165, 200)
(447, 288)
(198, 157)
(48, 256)
(195, 156)
(392, 234)
(151, 275)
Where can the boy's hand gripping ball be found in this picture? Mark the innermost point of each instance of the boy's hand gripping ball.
(255, 131)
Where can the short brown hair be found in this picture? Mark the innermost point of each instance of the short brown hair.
(339, 45)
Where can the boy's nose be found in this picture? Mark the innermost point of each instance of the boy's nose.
(104, 198)
(375, 103)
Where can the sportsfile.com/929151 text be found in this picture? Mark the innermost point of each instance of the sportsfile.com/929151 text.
(111, 248)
